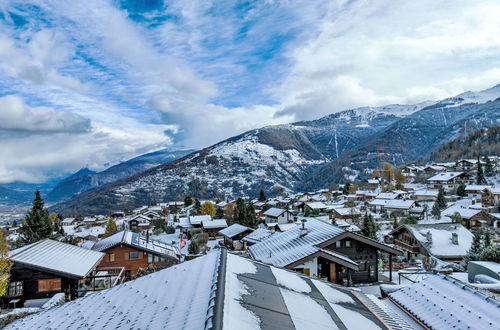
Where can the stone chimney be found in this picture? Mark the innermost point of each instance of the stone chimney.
(454, 238)
(428, 235)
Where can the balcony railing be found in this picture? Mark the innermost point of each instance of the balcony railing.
(406, 246)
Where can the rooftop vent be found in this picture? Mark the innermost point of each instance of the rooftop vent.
(454, 238)
(303, 230)
(428, 235)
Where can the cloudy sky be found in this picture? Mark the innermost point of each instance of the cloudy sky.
(91, 83)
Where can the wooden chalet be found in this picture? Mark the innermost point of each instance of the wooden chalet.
(233, 236)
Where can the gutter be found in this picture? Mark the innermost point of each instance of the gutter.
(218, 313)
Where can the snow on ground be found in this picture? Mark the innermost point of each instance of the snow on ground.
(235, 315)
(290, 280)
(302, 308)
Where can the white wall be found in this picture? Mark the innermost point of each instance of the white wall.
(312, 265)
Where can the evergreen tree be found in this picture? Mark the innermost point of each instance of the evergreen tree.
(480, 179)
(239, 212)
(197, 206)
(188, 200)
(219, 213)
(461, 190)
(436, 210)
(262, 196)
(170, 230)
(369, 228)
(5, 265)
(488, 169)
(37, 224)
(110, 227)
(345, 189)
(487, 239)
(441, 201)
(193, 247)
(250, 217)
(474, 251)
(490, 253)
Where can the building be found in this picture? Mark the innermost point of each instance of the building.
(258, 235)
(324, 251)
(440, 302)
(233, 236)
(448, 180)
(445, 241)
(213, 226)
(397, 207)
(275, 216)
(213, 292)
(42, 269)
(134, 251)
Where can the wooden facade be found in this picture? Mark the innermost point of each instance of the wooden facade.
(132, 258)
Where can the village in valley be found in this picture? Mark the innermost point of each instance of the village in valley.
(371, 252)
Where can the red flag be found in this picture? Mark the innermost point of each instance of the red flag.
(183, 243)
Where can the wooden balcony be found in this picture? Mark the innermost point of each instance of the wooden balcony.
(406, 246)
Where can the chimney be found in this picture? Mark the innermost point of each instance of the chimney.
(303, 229)
(147, 235)
(454, 238)
(429, 236)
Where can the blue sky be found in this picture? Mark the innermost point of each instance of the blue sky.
(91, 83)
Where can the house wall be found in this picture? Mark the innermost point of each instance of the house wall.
(132, 266)
(312, 265)
(30, 278)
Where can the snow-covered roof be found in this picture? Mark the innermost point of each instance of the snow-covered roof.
(444, 176)
(274, 212)
(426, 193)
(137, 241)
(284, 248)
(476, 187)
(54, 256)
(388, 195)
(443, 303)
(214, 223)
(233, 230)
(286, 226)
(347, 211)
(316, 205)
(213, 292)
(198, 219)
(441, 244)
(393, 203)
(258, 235)
(465, 213)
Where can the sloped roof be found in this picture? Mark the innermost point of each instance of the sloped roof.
(445, 176)
(274, 212)
(443, 303)
(213, 292)
(214, 223)
(258, 235)
(198, 219)
(393, 203)
(57, 257)
(138, 241)
(233, 230)
(284, 248)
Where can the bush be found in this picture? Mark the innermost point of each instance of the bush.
(170, 230)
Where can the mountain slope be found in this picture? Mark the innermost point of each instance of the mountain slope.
(485, 142)
(86, 179)
(304, 155)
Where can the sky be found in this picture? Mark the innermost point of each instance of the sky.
(92, 83)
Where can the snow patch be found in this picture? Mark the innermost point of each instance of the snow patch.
(332, 295)
(290, 280)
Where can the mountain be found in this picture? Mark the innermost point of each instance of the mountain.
(304, 155)
(485, 142)
(86, 179)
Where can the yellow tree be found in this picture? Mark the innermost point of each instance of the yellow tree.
(5, 265)
(111, 227)
(388, 172)
(208, 209)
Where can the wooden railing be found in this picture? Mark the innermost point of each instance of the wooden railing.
(406, 246)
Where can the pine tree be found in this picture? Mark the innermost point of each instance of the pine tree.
(262, 196)
(219, 213)
(193, 247)
(488, 169)
(369, 228)
(188, 200)
(239, 212)
(5, 265)
(461, 190)
(207, 208)
(474, 251)
(197, 206)
(345, 189)
(37, 224)
(487, 238)
(110, 227)
(480, 179)
(250, 217)
(490, 253)
(441, 201)
(436, 210)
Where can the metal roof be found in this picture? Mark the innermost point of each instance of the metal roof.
(443, 303)
(284, 248)
(213, 292)
(57, 257)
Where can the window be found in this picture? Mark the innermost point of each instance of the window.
(372, 270)
(338, 244)
(110, 257)
(150, 258)
(15, 289)
(48, 285)
(347, 243)
(133, 255)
